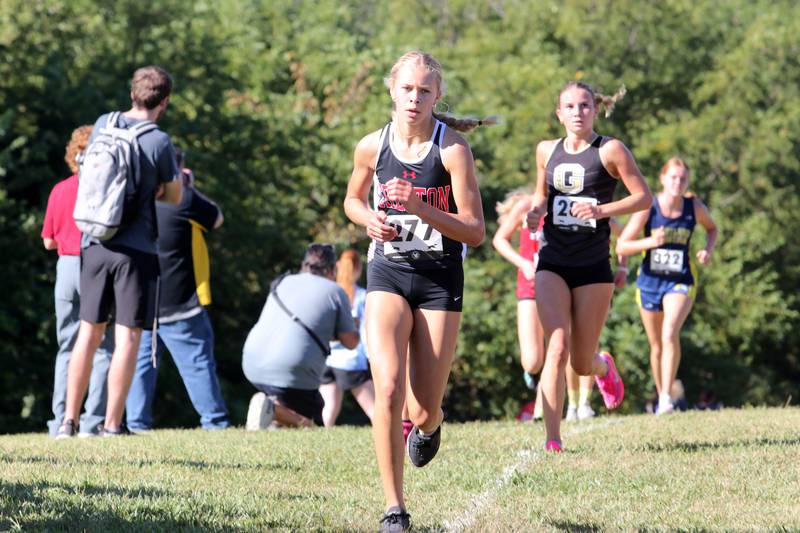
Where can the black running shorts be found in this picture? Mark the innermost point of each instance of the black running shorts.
(437, 289)
(119, 280)
(582, 275)
(346, 379)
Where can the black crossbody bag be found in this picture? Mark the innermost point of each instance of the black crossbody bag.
(273, 290)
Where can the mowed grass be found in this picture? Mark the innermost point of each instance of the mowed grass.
(734, 470)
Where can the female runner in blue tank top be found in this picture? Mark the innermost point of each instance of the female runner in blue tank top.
(427, 208)
(575, 181)
(667, 280)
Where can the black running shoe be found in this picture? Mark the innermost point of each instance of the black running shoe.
(395, 520)
(422, 449)
(67, 429)
(121, 431)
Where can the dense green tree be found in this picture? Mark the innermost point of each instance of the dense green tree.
(271, 97)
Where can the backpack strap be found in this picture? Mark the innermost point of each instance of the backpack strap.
(113, 118)
(143, 127)
(137, 129)
(273, 290)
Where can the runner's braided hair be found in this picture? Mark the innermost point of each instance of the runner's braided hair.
(608, 102)
(431, 64)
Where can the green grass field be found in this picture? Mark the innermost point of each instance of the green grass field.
(733, 470)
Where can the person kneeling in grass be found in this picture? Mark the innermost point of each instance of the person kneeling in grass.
(284, 354)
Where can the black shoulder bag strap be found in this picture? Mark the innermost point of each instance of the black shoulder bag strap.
(326, 349)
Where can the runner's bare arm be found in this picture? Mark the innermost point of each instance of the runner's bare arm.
(356, 204)
(539, 203)
(627, 242)
(703, 216)
(510, 224)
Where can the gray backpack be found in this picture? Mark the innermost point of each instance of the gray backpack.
(108, 179)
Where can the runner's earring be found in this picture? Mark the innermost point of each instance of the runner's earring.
(438, 110)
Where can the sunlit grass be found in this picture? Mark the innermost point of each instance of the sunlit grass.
(735, 470)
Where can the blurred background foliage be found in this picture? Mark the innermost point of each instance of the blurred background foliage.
(272, 95)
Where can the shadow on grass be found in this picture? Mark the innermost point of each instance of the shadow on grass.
(574, 527)
(692, 447)
(140, 463)
(23, 491)
(28, 506)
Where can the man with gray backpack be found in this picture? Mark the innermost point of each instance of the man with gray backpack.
(128, 164)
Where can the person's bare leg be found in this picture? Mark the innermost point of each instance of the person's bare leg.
(120, 372)
(531, 336)
(80, 366)
(554, 302)
(286, 417)
(652, 321)
(431, 350)
(676, 310)
(389, 324)
(332, 396)
(365, 396)
(590, 305)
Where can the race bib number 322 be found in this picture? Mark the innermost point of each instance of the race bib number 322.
(666, 261)
(415, 240)
(562, 214)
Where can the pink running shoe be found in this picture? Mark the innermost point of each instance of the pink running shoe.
(611, 386)
(408, 425)
(553, 446)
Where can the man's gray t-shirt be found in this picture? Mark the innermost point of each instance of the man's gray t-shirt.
(281, 353)
(157, 165)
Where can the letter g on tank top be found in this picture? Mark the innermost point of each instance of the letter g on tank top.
(580, 177)
(418, 245)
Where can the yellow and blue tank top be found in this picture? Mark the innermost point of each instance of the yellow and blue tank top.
(671, 262)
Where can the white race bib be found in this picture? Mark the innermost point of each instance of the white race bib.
(562, 214)
(666, 261)
(415, 240)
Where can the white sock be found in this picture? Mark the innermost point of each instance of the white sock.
(664, 399)
(426, 435)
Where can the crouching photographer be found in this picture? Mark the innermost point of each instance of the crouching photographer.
(284, 354)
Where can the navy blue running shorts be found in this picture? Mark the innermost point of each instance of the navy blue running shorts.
(436, 289)
(579, 276)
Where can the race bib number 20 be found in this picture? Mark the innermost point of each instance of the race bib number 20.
(415, 240)
(562, 214)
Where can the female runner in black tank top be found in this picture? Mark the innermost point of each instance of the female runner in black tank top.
(408, 341)
(574, 283)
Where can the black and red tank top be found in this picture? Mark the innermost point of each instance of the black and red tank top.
(418, 245)
(580, 177)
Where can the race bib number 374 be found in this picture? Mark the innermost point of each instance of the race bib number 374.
(415, 239)
(562, 214)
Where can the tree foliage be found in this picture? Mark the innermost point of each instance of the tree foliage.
(271, 98)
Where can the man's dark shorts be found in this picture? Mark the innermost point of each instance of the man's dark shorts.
(346, 379)
(119, 279)
(308, 403)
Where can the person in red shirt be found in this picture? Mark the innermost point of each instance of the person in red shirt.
(60, 233)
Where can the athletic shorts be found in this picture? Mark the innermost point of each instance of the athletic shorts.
(526, 289)
(654, 300)
(434, 289)
(119, 280)
(308, 403)
(346, 379)
(579, 276)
